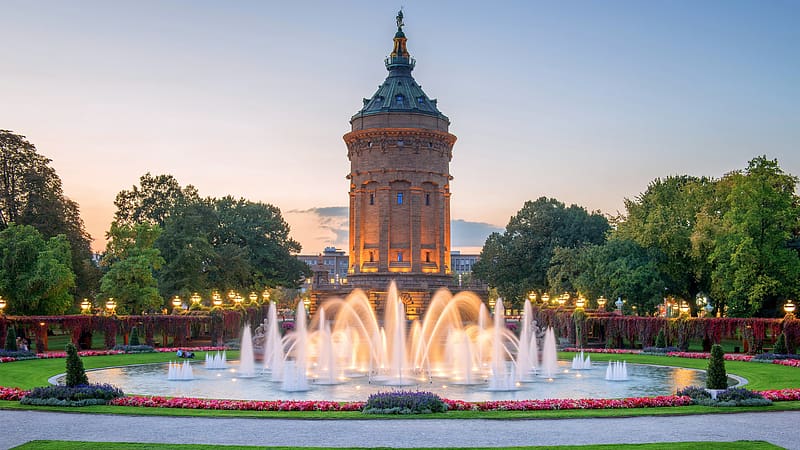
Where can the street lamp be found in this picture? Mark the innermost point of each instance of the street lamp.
(237, 299)
(216, 299)
(563, 298)
(195, 298)
(86, 305)
(580, 302)
(265, 296)
(253, 297)
(176, 302)
(619, 304)
(307, 304)
(684, 308)
(532, 297)
(545, 299)
(111, 305)
(601, 303)
(2, 305)
(789, 307)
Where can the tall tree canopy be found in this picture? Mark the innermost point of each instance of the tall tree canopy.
(664, 218)
(31, 194)
(35, 274)
(213, 243)
(618, 268)
(517, 260)
(754, 266)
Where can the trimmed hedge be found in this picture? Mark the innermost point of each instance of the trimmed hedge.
(404, 402)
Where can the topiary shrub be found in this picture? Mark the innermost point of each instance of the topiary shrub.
(695, 392)
(780, 345)
(11, 340)
(134, 339)
(661, 339)
(404, 402)
(76, 374)
(716, 378)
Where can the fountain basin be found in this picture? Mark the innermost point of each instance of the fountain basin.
(644, 380)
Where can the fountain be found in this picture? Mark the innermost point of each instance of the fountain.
(295, 378)
(549, 366)
(579, 363)
(247, 361)
(216, 362)
(458, 350)
(617, 371)
(180, 372)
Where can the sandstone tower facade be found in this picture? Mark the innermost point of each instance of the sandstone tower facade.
(400, 149)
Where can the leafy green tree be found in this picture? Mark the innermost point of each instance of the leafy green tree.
(517, 260)
(35, 274)
(76, 374)
(31, 194)
(152, 201)
(754, 266)
(617, 268)
(664, 218)
(132, 261)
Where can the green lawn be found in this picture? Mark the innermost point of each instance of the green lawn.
(67, 445)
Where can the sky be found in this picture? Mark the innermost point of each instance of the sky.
(582, 101)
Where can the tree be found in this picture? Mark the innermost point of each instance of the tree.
(35, 274)
(754, 266)
(517, 261)
(31, 194)
(132, 261)
(716, 377)
(152, 201)
(76, 374)
(617, 268)
(11, 340)
(664, 218)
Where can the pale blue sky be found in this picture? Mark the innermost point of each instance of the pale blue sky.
(584, 101)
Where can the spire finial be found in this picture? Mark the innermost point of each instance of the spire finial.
(399, 19)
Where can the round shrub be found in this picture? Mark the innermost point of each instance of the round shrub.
(83, 395)
(404, 402)
(76, 374)
(716, 377)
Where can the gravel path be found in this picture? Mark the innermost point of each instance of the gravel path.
(23, 426)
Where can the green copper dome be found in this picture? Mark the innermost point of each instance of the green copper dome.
(399, 92)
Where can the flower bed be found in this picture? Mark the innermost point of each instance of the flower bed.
(237, 405)
(85, 353)
(611, 351)
(194, 349)
(7, 393)
(568, 403)
(703, 355)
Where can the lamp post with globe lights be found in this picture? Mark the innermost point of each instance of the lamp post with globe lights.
(216, 299)
(601, 303)
(195, 299)
(86, 307)
(789, 307)
(3, 305)
(111, 306)
(619, 304)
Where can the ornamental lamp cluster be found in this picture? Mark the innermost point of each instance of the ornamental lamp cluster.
(3, 305)
(789, 307)
(111, 306)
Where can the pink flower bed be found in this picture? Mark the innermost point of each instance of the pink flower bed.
(194, 349)
(583, 403)
(787, 362)
(612, 351)
(51, 355)
(703, 355)
(7, 393)
(782, 395)
(238, 405)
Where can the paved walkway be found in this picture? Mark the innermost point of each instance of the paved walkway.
(21, 426)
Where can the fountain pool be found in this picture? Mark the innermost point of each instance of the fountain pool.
(642, 381)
